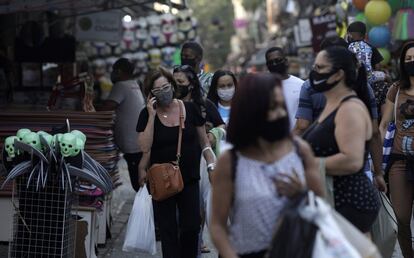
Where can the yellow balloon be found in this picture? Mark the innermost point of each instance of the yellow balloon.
(378, 12)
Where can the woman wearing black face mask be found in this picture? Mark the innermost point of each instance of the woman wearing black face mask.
(187, 88)
(264, 167)
(341, 135)
(400, 103)
(158, 130)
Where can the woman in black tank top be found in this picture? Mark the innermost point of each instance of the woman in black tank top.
(341, 135)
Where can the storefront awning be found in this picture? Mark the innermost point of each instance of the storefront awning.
(76, 7)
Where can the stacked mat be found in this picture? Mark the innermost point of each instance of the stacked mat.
(97, 126)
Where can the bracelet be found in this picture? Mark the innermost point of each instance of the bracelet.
(207, 148)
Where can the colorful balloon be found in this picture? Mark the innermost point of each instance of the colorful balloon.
(377, 12)
(361, 17)
(386, 55)
(379, 36)
(360, 4)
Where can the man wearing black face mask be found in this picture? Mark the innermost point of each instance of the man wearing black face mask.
(192, 55)
(277, 62)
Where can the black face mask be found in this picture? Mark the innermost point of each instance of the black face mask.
(409, 68)
(189, 61)
(276, 130)
(318, 81)
(183, 91)
(277, 66)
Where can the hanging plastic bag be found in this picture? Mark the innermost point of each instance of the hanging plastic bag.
(337, 238)
(384, 229)
(140, 234)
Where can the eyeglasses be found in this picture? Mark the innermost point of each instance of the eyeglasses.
(163, 88)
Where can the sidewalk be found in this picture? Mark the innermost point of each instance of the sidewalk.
(123, 198)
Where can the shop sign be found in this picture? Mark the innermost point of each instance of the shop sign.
(103, 26)
(322, 27)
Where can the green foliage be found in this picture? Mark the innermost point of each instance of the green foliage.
(215, 28)
(251, 5)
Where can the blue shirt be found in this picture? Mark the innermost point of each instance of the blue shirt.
(224, 113)
(312, 103)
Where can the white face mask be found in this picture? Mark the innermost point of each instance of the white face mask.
(226, 94)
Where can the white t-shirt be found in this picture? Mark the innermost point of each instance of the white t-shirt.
(291, 90)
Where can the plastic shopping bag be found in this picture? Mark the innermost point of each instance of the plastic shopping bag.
(384, 229)
(140, 235)
(336, 238)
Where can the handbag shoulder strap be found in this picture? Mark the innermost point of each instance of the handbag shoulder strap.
(396, 105)
(180, 130)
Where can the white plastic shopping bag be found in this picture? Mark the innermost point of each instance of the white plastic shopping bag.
(336, 238)
(384, 230)
(140, 235)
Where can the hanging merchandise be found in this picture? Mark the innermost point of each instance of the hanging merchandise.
(379, 36)
(403, 27)
(360, 4)
(141, 59)
(378, 12)
(187, 26)
(128, 42)
(386, 55)
(100, 49)
(155, 35)
(361, 17)
(141, 33)
(168, 56)
(116, 48)
(155, 58)
(342, 18)
(47, 170)
(169, 29)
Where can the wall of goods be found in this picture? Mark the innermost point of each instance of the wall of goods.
(147, 41)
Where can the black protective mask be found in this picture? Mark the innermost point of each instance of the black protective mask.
(183, 91)
(318, 81)
(276, 130)
(409, 68)
(189, 61)
(277, 66)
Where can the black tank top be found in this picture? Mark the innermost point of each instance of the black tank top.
(355, 189)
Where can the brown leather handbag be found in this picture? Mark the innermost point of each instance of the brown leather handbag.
(165, 179)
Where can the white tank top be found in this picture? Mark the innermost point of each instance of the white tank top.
(257, 205)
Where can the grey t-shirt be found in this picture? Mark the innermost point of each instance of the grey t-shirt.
(129, 97)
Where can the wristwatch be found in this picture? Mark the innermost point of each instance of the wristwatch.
(211, 167)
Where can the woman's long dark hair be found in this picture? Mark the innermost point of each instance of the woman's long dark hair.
(404, 77)
(249, 108)
(212, 93)
(355, 78)
(192, 77)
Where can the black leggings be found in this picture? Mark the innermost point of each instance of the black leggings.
(133, 160)
(362, 220)
(180, 240)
